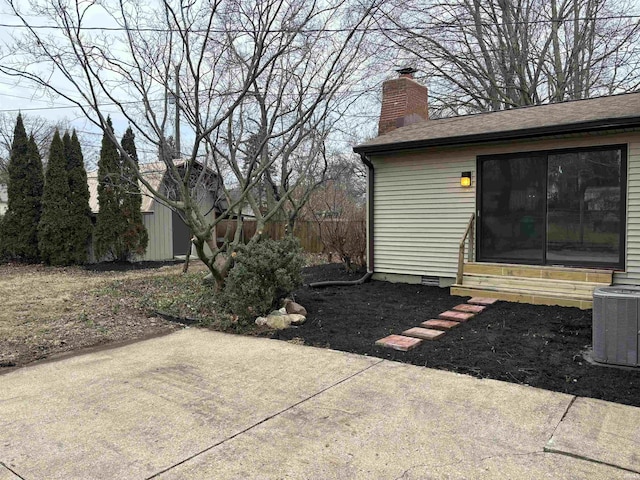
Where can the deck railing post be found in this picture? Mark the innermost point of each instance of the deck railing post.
(467, 233)
(460, 264)
(471, 253)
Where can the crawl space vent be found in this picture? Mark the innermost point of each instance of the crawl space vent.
(430, 280)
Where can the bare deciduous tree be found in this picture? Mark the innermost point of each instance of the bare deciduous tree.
(259, 86)
(339, 211)
(485, 56)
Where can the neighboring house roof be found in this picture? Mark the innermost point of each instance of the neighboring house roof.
(154, 173)
(603, 113)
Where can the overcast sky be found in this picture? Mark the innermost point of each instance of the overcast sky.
(17, 95)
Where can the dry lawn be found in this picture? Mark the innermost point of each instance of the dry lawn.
(53, 310)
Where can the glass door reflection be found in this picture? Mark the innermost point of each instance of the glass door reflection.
(512, 219)
(584, 195)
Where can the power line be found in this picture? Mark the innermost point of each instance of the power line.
(314, 30)
(137, 102)
(31, 99)
(64, 107)
(34, 109)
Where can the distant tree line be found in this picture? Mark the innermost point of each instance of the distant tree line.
(48, 217)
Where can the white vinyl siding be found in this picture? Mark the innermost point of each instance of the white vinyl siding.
(632, 274)
(421, 211)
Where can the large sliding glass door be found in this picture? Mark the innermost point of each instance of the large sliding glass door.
(554, 208)
(513, 206)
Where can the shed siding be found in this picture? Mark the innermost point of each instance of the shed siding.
(421, 211)
(159, 227)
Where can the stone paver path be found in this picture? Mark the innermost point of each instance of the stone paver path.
(464, 307)
(456, 316)
(440, 324)
(482, 301)
(423, 333)
(399, 342)
(436, 328)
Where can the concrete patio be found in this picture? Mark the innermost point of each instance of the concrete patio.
(201, 404)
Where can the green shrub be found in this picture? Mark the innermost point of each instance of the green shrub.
(24, 191)
(264, 272)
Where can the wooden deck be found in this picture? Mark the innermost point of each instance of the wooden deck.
(538, 285)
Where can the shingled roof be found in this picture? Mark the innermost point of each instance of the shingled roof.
(153, 173)
(596, 114)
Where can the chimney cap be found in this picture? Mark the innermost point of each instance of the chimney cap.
(406, 71)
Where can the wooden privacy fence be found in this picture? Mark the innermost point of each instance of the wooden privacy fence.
(306, 231)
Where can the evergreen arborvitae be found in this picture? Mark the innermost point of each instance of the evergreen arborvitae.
(55, 237)
(135, 237)
(19, 226)
(110, 223)
(80, 226)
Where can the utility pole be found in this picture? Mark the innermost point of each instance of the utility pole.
(177, 95)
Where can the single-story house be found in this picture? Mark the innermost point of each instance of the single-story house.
(4, 199)
(169, 236)
(537, 204)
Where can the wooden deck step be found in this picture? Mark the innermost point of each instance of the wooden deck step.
(538, 271)
(541, 285)
(524, 296)
(578, 288)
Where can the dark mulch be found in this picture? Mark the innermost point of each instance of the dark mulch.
(535, 345)
(128, 266)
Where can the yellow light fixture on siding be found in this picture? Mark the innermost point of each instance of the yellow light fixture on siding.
(465, 179)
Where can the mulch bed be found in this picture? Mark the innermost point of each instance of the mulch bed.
(534, 345)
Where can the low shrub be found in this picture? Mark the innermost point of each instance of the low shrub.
(264, 272)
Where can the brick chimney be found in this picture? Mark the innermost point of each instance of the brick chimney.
(404, 101)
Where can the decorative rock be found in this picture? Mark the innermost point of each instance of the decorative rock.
(278, 322)
(283, 311)
(293, 307)
(296, 319)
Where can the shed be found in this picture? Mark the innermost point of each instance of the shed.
(169, 236)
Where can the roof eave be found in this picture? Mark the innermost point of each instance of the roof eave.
(522, 134)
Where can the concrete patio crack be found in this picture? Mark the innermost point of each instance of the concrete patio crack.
(266, 419)
(479, 460)
(2, 464)
(566, 411)
(548, 448)
(587, 459)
